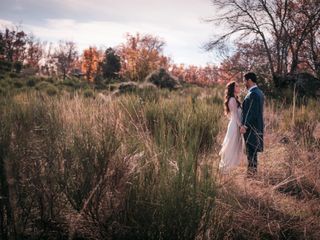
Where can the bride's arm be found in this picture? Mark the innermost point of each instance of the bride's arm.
(233, 106)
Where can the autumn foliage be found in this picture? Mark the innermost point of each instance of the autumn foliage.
(91, 59)
(141, 55)
(194, 74)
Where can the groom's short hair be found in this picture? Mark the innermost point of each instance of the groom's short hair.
(252, 76)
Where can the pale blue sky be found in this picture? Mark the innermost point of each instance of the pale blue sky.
(103, 23)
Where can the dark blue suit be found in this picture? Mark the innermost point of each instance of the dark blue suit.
(252, 119)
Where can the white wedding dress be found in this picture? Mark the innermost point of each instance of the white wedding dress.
(233, 143)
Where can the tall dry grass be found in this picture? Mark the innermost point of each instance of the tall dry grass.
(129, 168)
(283, 201)
(144, 166)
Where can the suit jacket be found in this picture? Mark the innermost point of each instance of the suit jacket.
(252, 118)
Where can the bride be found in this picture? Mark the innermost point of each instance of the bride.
(232, 145)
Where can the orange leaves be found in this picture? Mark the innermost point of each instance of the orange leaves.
(91, 59)
(140, 55)
(194, 74)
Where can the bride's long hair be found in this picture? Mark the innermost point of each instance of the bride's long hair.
(229, 93)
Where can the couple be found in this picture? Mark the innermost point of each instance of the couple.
(245, 125)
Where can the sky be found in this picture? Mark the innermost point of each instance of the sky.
(104, 23)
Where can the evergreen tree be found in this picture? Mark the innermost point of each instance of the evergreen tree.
(111, 64)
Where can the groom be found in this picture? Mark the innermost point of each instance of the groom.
(252, 121)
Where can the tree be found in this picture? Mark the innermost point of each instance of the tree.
(140, 55)
(111, 64)
(178, 71)
(49, 64)
(209, 74)
(34, 52)
(282, 26)
(65, 55)
(12, 49)
(91, 59)
(246, 57)
(194, 74)
(311, 52)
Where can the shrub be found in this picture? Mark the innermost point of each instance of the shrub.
(52, 90)
(50, 79)
(88, 93)
(47, 87)
(68, 82)
(163, 79)
(305, 84)
(42, 85)
(13, 75)
(128, 87)
(31, 82)
(148, 92)
(17, 83)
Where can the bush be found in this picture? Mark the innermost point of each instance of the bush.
(100, 86)
(50, 79)
(47, 87)
(128, 87)
(17, 83)
(88, 93)
(31, 82)
(13, 75)
(305, 85)
(163, 79)
(148, 92)
(68, 82)
(112, 87)
(42, 85)
(52, 90)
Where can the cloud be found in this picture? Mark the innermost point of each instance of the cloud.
(5, 23)
(105, 22)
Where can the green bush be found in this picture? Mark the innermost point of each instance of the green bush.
(88, 93)
(68, 82)
(42, 85)
(52, 90)
(31, 82)
(17, 83)
(163, 79)
(5, 83)
(127, 87)
(47, 87)
(13, 75)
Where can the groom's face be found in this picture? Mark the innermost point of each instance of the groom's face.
(247, 83)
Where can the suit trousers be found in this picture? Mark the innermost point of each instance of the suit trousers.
(252, 156)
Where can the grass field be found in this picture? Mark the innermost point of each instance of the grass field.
(143, 165)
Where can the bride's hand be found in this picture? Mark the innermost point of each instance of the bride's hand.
(243, 130)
